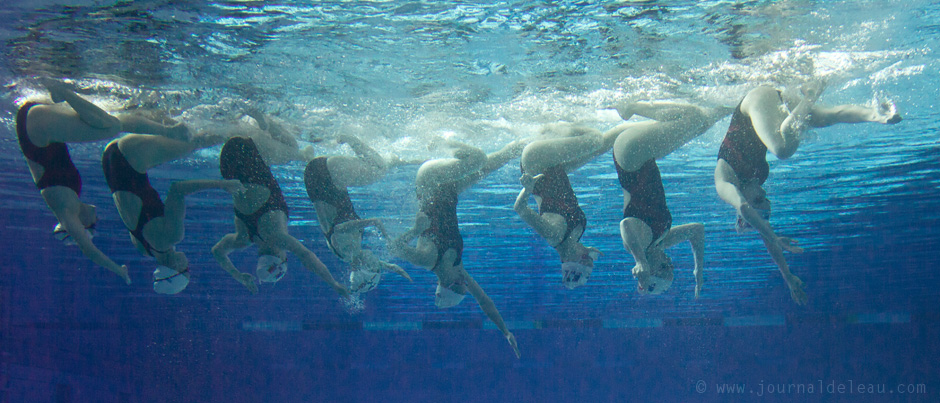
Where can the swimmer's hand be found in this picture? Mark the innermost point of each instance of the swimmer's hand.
(122, 271)
(233, 186)
(528, 181)
(340, 289)
(699, 281)
(594, 253)
(642, 276)
(512, 342)
(422, 222)
(796, 289)
(248, 280)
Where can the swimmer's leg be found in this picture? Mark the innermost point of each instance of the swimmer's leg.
(726, 183)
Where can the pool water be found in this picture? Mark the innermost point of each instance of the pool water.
(861, 199)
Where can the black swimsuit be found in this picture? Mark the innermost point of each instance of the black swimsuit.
(558, 197)
(121, 176)
(58, 169)
(441, 209)
(743, 150)
(241, 160)
(320, 188)
(647, 197)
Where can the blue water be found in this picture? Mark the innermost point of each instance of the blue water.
(861, 199)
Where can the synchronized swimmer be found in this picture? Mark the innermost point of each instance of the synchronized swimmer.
(767, 119)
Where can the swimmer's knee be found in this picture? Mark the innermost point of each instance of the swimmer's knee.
(634, 226)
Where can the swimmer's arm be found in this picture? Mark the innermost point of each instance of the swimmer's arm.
(635, 240)
(536, 221)
(489, 308)
(695, 234)
(418, 256)
(310, 260)
(221, 250)
(402, 248)
(76, 230)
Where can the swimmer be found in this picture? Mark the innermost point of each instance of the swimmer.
(646, 228)
(772, 120)
(276, 143)
(261, 217)
(232, 117)
(546, 163)
(326, 179)
(155, 228)
(439, 245)
(43, 130)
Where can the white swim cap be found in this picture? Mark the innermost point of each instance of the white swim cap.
(169, 281)
(270, 268)
(575, 274)
(658, 285)
(363, 280)
(445, 297)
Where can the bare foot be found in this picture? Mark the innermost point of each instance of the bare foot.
(206, 140)
(57, 89)
(258, 116)
(179, 131)
(888, 112)
(394, 268)
(624, 109)
(812, 89)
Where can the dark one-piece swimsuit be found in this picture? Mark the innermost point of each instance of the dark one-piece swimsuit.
(647, 197)
(441, 209)
(58, 169)
(240, 159)
(320, 188)
(744, 151)
(557, 196)
(121, 176)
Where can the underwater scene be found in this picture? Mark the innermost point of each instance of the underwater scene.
(417, 201)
